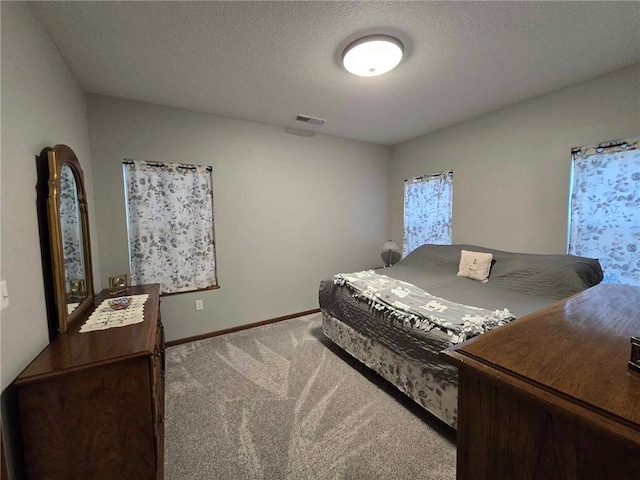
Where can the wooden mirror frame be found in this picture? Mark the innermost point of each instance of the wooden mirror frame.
(50, 163)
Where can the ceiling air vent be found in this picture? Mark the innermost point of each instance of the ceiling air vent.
(313, 121)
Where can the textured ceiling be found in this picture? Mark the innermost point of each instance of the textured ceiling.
(268, 61)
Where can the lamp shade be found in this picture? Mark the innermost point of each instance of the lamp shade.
(372, 55)
(390, 245)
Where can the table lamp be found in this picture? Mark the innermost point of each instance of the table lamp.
(387, 250)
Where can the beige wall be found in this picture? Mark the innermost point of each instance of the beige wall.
(289, 210)
(42, 105)
(511, 167)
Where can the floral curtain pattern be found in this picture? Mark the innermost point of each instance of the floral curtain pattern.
(427, 210)
(605, 208)
(171, 234)
(70, 228)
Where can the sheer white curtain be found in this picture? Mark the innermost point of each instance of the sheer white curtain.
(170, 217)
(427, 210)
(605, 208)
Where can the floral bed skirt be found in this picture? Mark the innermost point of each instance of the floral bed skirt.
(436, 395)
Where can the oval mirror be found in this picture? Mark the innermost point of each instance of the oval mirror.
(64, 236)
(72, 249)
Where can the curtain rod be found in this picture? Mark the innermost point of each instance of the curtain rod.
(602, 146)
(157, 164)
(429, 176)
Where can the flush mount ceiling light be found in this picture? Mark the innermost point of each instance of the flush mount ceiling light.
(372, 55)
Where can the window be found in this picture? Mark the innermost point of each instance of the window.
(427, 210)
(170, 218)
(604, 209)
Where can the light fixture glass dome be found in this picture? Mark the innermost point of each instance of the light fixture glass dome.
(372, 55)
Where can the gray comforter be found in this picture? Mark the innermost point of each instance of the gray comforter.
(413, 307)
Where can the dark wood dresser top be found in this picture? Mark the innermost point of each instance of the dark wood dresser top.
(576, 350)
(74, 350)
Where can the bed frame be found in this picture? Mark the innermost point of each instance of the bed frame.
(437, 396)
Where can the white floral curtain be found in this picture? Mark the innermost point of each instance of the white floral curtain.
(605, 208)
(170, 216)
(427, 210)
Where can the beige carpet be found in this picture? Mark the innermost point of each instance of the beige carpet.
(282, 402)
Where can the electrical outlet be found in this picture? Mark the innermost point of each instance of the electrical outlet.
(4, 295)
(199, 305)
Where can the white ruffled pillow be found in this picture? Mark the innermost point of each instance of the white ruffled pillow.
(475, 265)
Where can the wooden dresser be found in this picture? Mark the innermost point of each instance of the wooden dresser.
(92, 404)
(550, 396)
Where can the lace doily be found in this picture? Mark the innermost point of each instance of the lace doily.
(105, 317)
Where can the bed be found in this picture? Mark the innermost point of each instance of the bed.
(407, 356)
